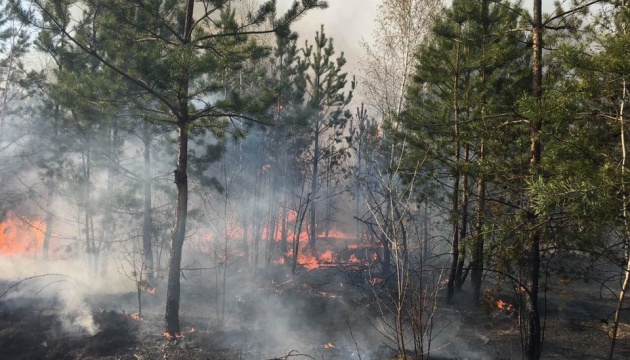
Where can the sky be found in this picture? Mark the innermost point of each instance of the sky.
(351, 22)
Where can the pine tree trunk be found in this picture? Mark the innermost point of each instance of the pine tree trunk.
(179, 233)
(478, 243)
(147, 214)
(284, 234)
(49, 220)
(107, 226)
(532, 314)
(313, 225)
(455, 196)
(477, 268)
(285, 203)
(463, 227)
(626, 281)
(181, 181)
(51, 186)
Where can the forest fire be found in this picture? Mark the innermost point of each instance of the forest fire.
(170, 337)
(507, 307)
(150, 290)
(20, 236)
(134, 316)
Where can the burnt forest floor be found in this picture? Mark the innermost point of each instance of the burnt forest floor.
(325, 313)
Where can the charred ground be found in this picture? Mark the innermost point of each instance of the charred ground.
(330, 312)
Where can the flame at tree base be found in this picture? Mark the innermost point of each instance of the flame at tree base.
(169, 337)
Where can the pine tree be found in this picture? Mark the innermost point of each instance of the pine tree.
(178, 53)
(326, 108)
(463, 75)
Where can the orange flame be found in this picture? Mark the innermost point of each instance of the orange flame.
(329, 346)
(192, 330)
(136, 316)
(327, 257)
(354, 259)
(20, 236)
(171, 337)
(505, 306)
(307, 260)
(335, 234)
(150, 290)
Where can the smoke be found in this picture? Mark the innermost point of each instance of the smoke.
(50, 292)
(348, 22)
(75, 315)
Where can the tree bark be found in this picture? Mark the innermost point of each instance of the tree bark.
(147, 214)
(179, 233)
(533, 344)
(107, 226)
(181, 182)
(463, 227)
(626, 281)
(313, 226)
(477, 265)
(49, 219)
(477, 251)
(455, 196)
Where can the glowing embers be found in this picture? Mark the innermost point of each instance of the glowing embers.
(308, 259)
(21, 236)
(170, 337)
(136, 317)
(504, 306)
(178, 336)
(149, 290)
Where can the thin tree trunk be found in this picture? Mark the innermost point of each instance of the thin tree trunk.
(90, 246)
(477, 268)
(455, 196)
(533, 346)
(49, 219)
(299, 221)
(285, 203)
(463, 228)
(313, 225)
(179, 233)
(284, 235)
(181, 181)
(108, 222)
(626, 281)
(147, 214)
(478, 243)
(425, 231)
